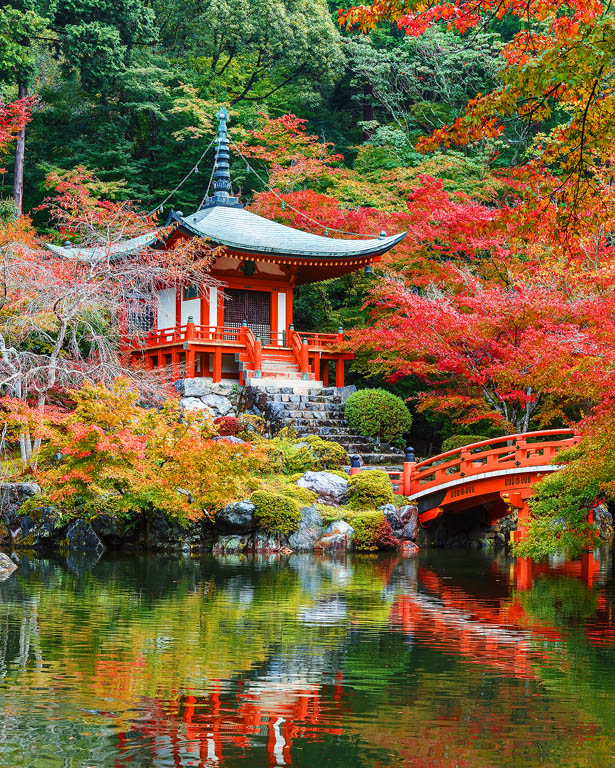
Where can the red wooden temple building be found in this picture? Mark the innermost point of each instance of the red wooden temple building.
(244, 330)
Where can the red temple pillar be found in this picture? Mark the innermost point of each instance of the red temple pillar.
(325, 373)
(339, 373)
(217, 366)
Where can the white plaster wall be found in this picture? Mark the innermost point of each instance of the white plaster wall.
(281, 311)
(166, 308)
(213, 306)
(191, 307)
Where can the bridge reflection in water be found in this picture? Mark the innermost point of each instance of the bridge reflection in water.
(446, 659)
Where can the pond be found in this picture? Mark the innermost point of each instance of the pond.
(448, 659)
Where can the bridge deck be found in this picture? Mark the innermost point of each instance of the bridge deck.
(499, 473)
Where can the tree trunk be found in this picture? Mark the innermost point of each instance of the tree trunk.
(20, 151)
(368, 109)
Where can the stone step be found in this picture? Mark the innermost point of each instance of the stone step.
(278, 398)
(380, 459)
(306, 415)
(349, 437)
(382, 467)
(311, 426)
(296, 402)
(279, 364)
(281, 385)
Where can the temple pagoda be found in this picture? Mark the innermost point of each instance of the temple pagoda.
(244, 330)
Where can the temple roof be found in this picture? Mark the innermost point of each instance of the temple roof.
(223, 221)
(241, 230)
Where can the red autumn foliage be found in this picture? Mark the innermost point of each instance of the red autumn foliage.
(226, 425)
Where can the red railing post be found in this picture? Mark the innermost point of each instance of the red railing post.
(189, 336)
(409, 464)
(258, 355)
(305, 356)
(339, 336)
(355, 465)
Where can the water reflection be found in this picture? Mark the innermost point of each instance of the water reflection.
(450, 659)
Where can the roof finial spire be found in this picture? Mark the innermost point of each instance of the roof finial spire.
(221, 176)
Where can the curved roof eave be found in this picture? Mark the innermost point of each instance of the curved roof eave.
(370, 247)
(113, 251)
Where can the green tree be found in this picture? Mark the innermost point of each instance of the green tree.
(249, 51)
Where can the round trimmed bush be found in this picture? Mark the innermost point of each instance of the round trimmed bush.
(378, 413)
(370, 489)
(275, 513)
(458, 441)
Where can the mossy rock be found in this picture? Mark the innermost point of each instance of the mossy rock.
(372, 531)
(294, 456)
(275, 513)
(303, 496)
(367, 526)
(370, 489)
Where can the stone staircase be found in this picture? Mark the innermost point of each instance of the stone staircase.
(313, 411)
(278, 363)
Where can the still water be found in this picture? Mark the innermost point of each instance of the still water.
(445, 660)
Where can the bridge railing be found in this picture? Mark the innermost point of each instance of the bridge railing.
(531, 449)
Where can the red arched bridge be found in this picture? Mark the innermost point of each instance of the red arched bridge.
(497, 474)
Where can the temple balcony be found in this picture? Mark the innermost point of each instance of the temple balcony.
(237, 354)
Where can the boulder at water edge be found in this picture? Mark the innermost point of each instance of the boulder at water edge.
(336, 536)
(603, 522)
(80, 536)
(310, 530)
(238, 517)
(7, 566)
(408, 548)
(331, 489)
(12, 496)
(391, 514)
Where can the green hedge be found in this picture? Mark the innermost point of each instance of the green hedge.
(275, 513)
(370, 489)
(458, 441)
(378, 413)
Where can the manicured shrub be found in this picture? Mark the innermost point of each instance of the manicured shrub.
(372, 531)
(227, 425)
(275, 513)
(370, 489)
(378, 413)
(296, 455)
(458, 441)
(328, 454)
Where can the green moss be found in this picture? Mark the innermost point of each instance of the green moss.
(34, 506)
(378, 413)
(275, 513)
(303, 496)
(367, 528)
(296, 455)
(370, 489)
